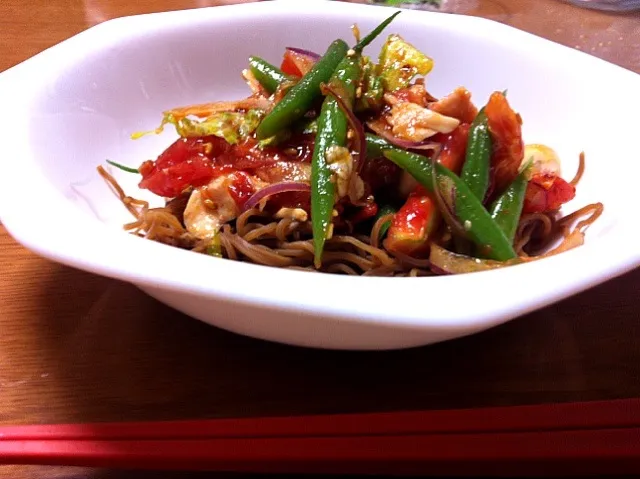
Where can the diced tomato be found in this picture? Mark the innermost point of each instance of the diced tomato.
(185, 148)
(291, 62)
(505, 127)
(547, 193)
(246, 156)
(454, 147)
(187, 162)
(413, 223)
(173, 180)
(363, 214)
(290, 199)
(196, 161)
(241, 188)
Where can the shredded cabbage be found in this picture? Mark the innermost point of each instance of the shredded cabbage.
(230, 125)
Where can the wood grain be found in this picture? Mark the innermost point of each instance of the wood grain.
(78, 347)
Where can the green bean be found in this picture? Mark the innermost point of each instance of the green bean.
(478, 224)
(269, 76)
(507, 208)
(376, 146)
(332, 131)
(300, 98)
(473, 216)
(374, 33)
(475, 171)
(416, 165)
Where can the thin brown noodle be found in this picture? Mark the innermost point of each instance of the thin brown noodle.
(257, 237)
(581, 166)
(538, 232)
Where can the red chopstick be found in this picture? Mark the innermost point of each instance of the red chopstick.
(577, 438)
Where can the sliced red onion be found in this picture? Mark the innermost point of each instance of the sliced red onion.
(276, 188)
(306, 53)
(444, 192)
(360, 142)
(381, 131)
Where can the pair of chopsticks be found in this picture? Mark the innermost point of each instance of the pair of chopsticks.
(574, 438)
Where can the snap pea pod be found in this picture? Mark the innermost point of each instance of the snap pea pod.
(301, 96)
(332, 131)
(269, 76)
(507, 208)
(480, 227)
(475, 171)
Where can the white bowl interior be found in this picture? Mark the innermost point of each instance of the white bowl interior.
(124, 88)
(118, 77)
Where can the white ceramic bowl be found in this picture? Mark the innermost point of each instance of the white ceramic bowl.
(69, 108)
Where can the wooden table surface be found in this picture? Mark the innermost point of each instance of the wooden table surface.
(79, 347)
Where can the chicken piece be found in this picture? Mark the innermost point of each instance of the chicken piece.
(213, 205)
(415, 123)
(456, 104)
(341, 165)
(416, 93)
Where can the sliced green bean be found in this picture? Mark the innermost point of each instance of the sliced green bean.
(416, 165)
(475, 171)
(332, 131)
(300, 98)
(480, 227)
(507, 208)
(269, 76)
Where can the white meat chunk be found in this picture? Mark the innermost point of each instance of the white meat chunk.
(415, 123)
(211, 206)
